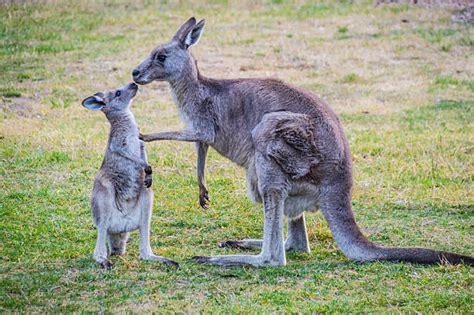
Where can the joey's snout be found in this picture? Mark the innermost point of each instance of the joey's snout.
(133, 88)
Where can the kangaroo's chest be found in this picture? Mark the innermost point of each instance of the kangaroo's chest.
(126, 175)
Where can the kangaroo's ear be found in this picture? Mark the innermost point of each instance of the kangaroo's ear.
(184, 30)
(94, 102)
(194, 34)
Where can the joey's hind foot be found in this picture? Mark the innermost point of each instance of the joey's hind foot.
(107, 265)
(161, 259)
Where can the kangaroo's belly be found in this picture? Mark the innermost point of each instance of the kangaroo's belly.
(126, 217)
(237, 147)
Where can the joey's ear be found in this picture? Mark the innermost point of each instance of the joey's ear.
(194, 34)
(184, 29)
(94, 102)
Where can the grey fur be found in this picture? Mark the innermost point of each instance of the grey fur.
(291, 144)
(122, 198)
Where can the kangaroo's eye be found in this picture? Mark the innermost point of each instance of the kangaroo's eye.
(118, 93)
(161, 58)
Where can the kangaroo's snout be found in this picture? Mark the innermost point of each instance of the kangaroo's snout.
(138, 77)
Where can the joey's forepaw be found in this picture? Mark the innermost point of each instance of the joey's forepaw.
(148, 181)
(148, 170)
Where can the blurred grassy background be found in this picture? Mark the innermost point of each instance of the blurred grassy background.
(399, 76)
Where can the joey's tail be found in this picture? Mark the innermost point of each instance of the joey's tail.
(356, 246)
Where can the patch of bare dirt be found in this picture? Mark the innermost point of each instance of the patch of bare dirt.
(20, 106)
(457, 4)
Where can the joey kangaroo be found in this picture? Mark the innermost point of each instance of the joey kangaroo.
(122, 199)
(291, 145)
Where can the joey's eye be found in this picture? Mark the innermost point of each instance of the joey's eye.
(118, 93)
(161, 58)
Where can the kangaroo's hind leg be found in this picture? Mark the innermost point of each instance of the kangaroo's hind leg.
(117, 243)
(146, 253)
(297, 239)
(101, 202)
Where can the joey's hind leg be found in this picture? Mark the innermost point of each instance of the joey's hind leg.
(297, 238)
(100, 251)
(146, 252)
(117, 243)
(101, 202)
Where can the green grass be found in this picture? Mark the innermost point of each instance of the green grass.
(404, 100)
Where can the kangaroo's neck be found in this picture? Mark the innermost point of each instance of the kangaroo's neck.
(122, 119)
(187, 87)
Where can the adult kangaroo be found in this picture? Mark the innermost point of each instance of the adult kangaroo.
(291, 144)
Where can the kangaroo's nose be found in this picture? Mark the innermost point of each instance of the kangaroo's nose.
(135, 72)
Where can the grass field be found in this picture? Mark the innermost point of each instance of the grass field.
(400, 77)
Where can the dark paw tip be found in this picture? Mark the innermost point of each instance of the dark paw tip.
(203, 204)
(229, 244)
(204, 200)
(107, 265)
(148, 170)
(172, 263)
(200, 259)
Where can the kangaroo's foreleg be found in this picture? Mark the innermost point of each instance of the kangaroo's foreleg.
(173, 135)
(202, 148)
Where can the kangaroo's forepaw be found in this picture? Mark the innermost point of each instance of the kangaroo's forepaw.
(204, 199)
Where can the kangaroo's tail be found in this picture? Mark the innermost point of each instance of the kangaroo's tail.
(337, 211)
